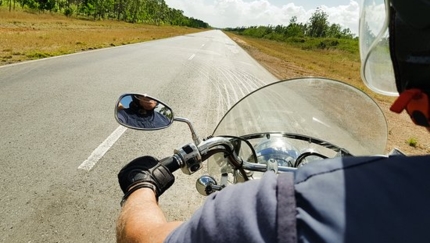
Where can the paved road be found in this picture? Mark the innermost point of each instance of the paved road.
(56, 112)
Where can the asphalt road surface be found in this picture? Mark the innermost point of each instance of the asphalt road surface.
(61, 149)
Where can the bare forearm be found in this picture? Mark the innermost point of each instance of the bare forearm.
(141, 219)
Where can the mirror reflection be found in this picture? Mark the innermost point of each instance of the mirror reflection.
(143, 112)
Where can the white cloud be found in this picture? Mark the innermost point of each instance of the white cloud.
(345, 15)
(234, 13)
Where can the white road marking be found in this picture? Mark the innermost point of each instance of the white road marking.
(191, 57)
(98, 153)
(203, 45)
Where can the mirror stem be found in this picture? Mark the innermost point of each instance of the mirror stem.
(196, 138)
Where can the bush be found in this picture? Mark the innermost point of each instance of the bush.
(68, 12)
(38, 55)
(297, 40)
(412, 142)
(322, 45)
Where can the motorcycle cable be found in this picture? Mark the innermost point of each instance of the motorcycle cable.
(254, 154)
(306, 154)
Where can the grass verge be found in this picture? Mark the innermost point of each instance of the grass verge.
(31, 35)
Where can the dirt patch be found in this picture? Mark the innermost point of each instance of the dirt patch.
(402, 133)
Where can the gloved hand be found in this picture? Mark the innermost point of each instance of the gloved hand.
(144, 172)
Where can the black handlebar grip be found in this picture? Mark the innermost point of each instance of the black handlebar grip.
(170, 163)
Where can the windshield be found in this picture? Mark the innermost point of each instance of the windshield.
(319, 108)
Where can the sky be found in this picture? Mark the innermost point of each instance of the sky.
(237, 13)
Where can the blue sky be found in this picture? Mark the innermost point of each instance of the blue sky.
(233, 13)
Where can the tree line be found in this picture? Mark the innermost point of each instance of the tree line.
(133, 11)
(317, 26)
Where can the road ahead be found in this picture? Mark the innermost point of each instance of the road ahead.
(56, 112)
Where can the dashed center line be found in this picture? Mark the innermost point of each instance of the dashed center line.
(98, 153)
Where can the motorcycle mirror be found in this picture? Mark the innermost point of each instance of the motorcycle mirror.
(206, 185)
(142, 112)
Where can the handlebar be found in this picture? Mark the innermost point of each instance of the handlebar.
(171, 163)
(190, 157)
(263, 167)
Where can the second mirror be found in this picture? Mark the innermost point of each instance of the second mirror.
(142, 112)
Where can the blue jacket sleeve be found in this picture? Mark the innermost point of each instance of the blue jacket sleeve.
(243, 212)
(364, 199)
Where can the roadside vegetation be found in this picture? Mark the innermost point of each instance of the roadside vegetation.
(316, 34)
(26, 34)
(132, 11)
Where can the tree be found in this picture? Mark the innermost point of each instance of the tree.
(346, 33)
(318, 24)
(294, 29)
(334, 31)
(134, 11)
(46, 4)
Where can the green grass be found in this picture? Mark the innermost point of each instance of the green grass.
(305, 43)
(413, 142)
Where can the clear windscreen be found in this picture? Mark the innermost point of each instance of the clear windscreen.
(324, 109)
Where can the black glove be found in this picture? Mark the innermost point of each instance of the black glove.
(144, 172)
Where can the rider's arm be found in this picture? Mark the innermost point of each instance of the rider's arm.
(141, 219)
(245, 212)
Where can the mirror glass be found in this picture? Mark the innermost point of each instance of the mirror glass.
(142, 112)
